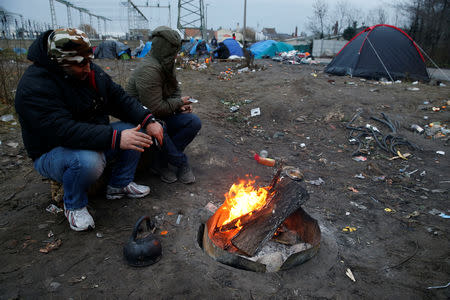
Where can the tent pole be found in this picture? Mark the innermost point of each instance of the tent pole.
(437, 67)
(380, 59)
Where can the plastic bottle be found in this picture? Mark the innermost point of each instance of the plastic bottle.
(263, 153)
(265, 161)
(416, 128)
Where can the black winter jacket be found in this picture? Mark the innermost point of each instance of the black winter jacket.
(57, 110)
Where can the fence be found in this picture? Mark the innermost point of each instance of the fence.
(327, 48)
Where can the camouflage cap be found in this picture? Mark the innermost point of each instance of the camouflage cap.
(69, 46)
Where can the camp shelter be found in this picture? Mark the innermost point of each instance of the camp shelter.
(112, 49)
(234, 47)
(269, 48)
(193, 50)
(380, 51)
(147, 48)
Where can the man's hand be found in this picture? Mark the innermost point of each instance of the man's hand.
(155, 129)
(187, 108)
(133, 139)
(185, 100)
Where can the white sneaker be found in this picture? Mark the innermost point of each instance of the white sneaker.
(132, 190)
(79, 219)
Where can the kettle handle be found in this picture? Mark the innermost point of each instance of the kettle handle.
(150, 224)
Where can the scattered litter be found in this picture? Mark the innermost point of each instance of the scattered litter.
(347, 213)
(99, 235)
(293, 173)
(415, 82)
(170, 213)
(379, 178)
(417, 128)
(413, 214)
(316, 182)
(413, 89)
(52, 208)
(7, 118)
(263, 153)
(353, 189)
(50, 234)
(192, 100)
(439, 286)
(360, 176)
(423, 173)
(255, 112)
(12, 144)
(442, 84)
(164, 232)
(360, 158)
(350, 274)
(348, 229)
(440, 152)
(389, 210)
(442, 215)
(264, 160)
(360, 206)
(51, 246)
(211, 207)
(403, 156)
(77, 279)
(302, 145)
(234, 108)
(374, 90)
(178, 219)
(435, 212)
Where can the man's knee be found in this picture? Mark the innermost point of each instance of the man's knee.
(196, 123)
(91, 163)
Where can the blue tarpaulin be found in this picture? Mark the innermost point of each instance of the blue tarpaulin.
(147, 48)
(269, 48)
(233, 46)
(194, 48)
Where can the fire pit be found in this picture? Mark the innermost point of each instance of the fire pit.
(262, 229)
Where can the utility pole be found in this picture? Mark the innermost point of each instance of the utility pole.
(158, 6)
(245, 22)
(52, 13)
(191, 16)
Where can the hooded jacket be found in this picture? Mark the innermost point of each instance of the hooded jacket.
(154, 82)
(56, 109)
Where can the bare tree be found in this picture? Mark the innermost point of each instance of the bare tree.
(317, 23)
(429, 26)
(341, 14)
(376, 16)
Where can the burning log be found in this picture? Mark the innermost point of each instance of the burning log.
(289, 196)
(246, 233)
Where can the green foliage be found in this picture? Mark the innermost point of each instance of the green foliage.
(349, 33)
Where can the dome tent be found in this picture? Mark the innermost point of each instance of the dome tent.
(380, 51)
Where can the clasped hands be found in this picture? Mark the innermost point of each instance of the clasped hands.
(134, 139)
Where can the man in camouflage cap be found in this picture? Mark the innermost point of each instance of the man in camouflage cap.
(64, 101)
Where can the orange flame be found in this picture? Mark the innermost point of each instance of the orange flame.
(242, 199)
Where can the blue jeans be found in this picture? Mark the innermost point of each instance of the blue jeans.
(78, 169)
(180, 130)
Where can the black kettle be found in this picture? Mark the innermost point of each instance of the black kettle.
(144, 251)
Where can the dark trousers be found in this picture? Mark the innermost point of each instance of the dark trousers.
(179, 131)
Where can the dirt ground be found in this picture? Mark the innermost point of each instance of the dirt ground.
(398, 248)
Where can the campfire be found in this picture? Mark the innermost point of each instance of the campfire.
(257, 224)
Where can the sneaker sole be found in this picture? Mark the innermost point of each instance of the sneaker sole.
(81, 229)
(120, 196)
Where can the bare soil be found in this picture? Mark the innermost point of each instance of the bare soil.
(397, 251)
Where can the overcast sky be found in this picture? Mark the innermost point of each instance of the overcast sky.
(284, 15)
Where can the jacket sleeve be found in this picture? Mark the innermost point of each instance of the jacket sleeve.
(46, 116)
(148, 85)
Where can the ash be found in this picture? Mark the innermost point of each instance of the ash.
(274, 254)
